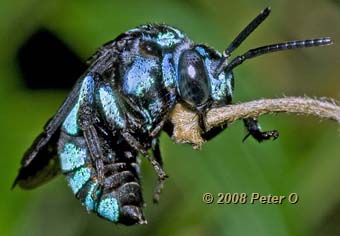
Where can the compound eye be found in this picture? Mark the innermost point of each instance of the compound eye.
(193, 83)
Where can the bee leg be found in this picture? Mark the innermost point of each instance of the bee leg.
(207, 134)
(252, 126)
(161, 177)
(93, 144)
(156, 151)
(254, 129)
(213, 132)
(158, 157)
(158, 128)
(201, 120)
(86, 123)
(139, 148)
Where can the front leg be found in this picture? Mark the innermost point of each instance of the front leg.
(202, 119)
(251, 124)
(254, 129)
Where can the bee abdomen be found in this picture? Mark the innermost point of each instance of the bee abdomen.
(118, 199)
(125, 188)
(116, 180)
(131, 204)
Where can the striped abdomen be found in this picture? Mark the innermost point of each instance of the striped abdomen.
(118, 199)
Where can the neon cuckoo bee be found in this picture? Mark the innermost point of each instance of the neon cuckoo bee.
(117, 109)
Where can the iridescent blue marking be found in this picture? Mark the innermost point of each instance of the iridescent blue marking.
(155, 108)
(72, 157)
(89, 202)
(169, 73)
(220, 87)
(146, 115)
(138, 80)
(87, 90)
(108, 209)
(79, 178)
(169, 32)
(70, 124)
(111, 108)
(201, 51)
(166, 39)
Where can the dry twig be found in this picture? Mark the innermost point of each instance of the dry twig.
(186, 129)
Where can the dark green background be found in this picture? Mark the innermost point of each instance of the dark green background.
(305, 159)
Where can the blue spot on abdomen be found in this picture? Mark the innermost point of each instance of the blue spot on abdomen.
(72, 157)
(108, 208)
(70, 125)
(79, 178)
(89, 202)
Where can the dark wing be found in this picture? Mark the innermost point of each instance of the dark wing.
(43, 166)
(40, 162)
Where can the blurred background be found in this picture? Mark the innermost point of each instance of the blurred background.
(305, 159)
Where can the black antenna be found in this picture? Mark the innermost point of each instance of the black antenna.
(240, 38)
(276, 47)
(222, 65)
